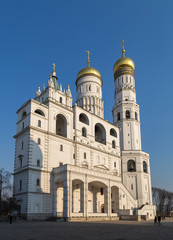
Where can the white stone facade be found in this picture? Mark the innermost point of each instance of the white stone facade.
(71, 163)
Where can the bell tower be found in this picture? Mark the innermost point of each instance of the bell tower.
(126, 110)
(135, 162)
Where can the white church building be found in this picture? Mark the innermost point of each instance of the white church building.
(71, 163)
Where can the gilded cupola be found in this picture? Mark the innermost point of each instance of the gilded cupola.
(123, 65)
(88, 71)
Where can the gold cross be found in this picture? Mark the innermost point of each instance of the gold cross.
(123, 44)
(54, 67)
(88, 57)
(123, 50)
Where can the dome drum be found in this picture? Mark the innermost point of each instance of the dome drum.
(124, 70)
(89, 71)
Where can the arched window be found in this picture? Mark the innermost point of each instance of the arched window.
(39, 123)
(145, 168)
(136, 116)
(113, 132)
(131, 166)
(60, 99)
(113, 144)
(38, 111)
(83, 118)
(61, 125)
(100, 133)
(38, 163)
(61, 148)
(23, 114)
(84, 132)
(127, 114)
(118, 116)
(89, 87)
(38, 182)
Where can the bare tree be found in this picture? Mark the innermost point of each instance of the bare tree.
(163, 201)
(5, 184)
(169, 203)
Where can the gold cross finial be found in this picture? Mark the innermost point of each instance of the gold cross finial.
(53, 67)
(123, 50)
(88, 57)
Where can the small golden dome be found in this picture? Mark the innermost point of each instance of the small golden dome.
(124, 62)
(88, 71)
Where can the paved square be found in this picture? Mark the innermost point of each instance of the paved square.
(119, 230)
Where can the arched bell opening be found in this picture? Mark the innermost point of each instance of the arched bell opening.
(100, 133)
(61, 125)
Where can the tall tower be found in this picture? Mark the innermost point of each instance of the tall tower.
(89, 90)
(135, 162)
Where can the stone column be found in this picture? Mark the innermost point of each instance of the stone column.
(106, 200)
(109, 200)
(54, 199)
(70, 195)
(65, 199)
(67, 196)
(85, 197)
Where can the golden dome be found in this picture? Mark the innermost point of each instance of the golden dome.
(88, 71)
(124, 62)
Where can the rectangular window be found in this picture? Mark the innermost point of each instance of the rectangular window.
(22, 145)
(115, 164)
(61, 148)
(39, 123)
(131, 186)
(38, 182)
(39, 141)
(20, 186)
(73, 156)
(101, 191)
(20, 162)
(84, 155)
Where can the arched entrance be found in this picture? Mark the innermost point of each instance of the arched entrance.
(77, 196)
(97, 197)
(60, 198)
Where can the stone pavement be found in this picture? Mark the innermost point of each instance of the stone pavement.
(115, 230)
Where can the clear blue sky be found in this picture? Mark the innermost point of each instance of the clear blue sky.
(34, 34)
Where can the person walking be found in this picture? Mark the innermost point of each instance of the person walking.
(155, 221)
(159, 220)
(11, 218)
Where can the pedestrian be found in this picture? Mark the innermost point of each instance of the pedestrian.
(159, 219)
(11, 218)
(155, 221)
